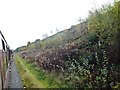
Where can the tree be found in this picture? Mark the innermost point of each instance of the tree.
(28, 43)
(51, 32)
(45, 36)
(57, 30)
(37, 44)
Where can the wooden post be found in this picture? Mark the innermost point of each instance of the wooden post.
(2, 67)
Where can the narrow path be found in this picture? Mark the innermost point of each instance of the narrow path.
(15, 80)
(29, 79)
(35, 82)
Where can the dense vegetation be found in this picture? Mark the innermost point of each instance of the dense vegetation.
(86, 55)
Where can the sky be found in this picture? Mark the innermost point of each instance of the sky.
(27, 20)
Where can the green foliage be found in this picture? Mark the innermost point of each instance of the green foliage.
(86, 55)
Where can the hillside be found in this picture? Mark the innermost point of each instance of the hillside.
(58, 39)
(85, 55)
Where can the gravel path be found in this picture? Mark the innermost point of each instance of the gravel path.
(15, 80)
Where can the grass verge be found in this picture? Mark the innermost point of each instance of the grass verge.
(32, 77)
(27, 73)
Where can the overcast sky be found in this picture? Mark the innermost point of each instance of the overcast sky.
(27, 20)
